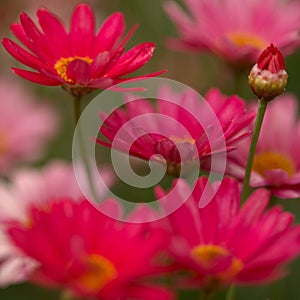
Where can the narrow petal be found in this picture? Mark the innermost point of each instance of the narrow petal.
(99, 64)
(43, 47)
(21, 55)
(36, 77)
(55, 31)
(21, 35)
(133, 60)
(110, 33)
(82, 30)
(78, 71)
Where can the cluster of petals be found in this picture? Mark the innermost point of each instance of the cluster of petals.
(78, 57)
(201, 128)
(84, 252)
(235, 30)
(26, 126)
(276, 162)
(224, 243)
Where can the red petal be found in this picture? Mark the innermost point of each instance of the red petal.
(36, 77)
(43, 47)
(79, 71)
(19, 32)
(132, 60)
(22, 55)
(82, 30)
(109, 33)
(55, 31)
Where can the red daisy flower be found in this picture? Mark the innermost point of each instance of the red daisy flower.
(79, 60)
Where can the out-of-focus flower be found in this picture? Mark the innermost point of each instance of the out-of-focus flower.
(268, 78)
(236, 30)
(25, 125)
(89, 254)
(277, 162)
(31, 188)
(215, 125)
(79, 60)
(222, 243)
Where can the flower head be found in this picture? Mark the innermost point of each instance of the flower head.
(268, 78)
(234, 30)
(276, 161)
(148, 132)
(33, 188)
(25, 125)
(79, 60)
(224, 243)
(88, 253)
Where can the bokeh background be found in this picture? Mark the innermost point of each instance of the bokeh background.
(200, 71)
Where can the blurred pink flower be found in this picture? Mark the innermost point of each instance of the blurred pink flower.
(215, 125)
(89, 254)
(277, 161)
(222, 243)
(25, 125)
(236, 30)
(78, 60)
(30, 188)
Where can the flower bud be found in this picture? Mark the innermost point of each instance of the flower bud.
(268, 78)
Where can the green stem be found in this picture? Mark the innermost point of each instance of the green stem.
(231, 293)
(262, 105)
(81, 145)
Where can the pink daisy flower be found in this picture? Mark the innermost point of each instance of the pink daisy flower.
(224, 243)
(30, 188)
(78, 59)
(89, 254)
(277, 162)
(236, 30)
(181, 143)
(25, 125)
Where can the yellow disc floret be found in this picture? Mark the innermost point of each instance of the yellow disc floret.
(242, 39)
(267, 161)
(99, 272)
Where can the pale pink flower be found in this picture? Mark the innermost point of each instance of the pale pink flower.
(235, 30)
(224, 243)
(26, 125)
(277, 161)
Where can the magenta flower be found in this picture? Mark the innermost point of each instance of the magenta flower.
(90, 254)
(26, 126)
(78, 59)
(277, 162)
(222, 243)
(193, 137)
(234, 30)
(33, 188)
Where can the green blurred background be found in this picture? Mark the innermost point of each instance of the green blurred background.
(198, 71)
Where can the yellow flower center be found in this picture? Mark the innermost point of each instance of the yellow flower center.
(3, 146)
(99, 272)
(185, 139)
(242, 39)
(267, 161)
(62, 64)
(208, 255)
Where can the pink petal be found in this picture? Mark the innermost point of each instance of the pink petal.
(82, 30)
(99, 64)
